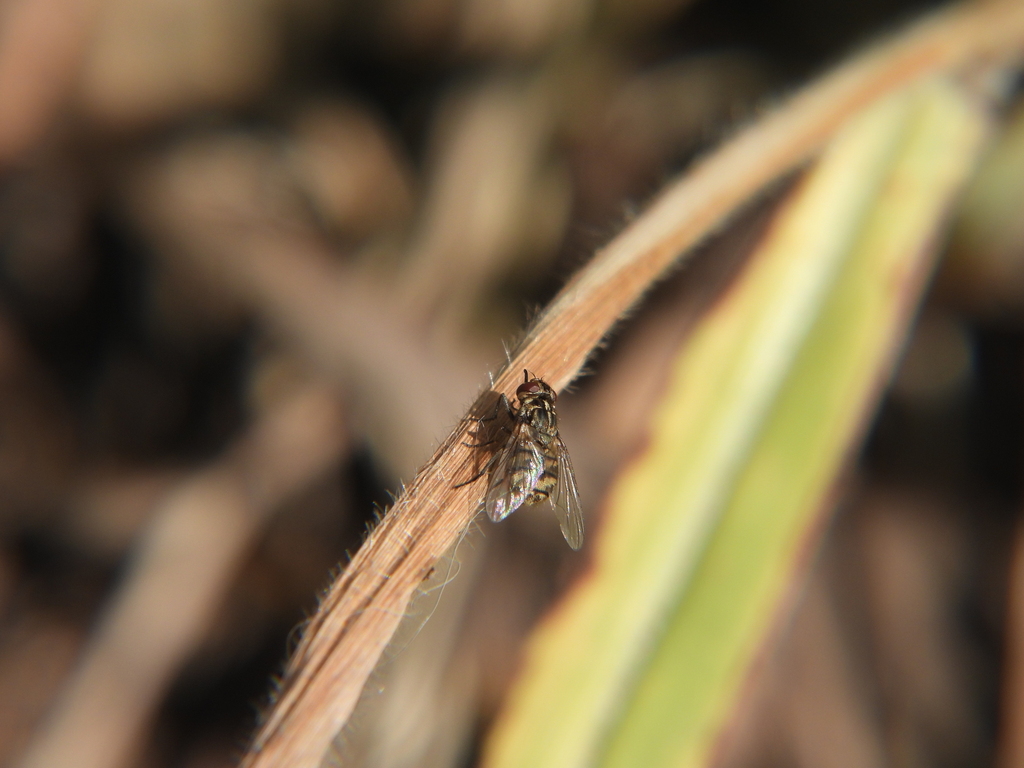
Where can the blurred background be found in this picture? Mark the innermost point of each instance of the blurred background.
(256, 258)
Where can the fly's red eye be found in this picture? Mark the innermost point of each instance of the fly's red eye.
(529, 388)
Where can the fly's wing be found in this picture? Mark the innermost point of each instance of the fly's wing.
(513, 476)
(566, 499)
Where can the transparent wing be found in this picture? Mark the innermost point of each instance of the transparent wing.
(506, 489)
(566, 500)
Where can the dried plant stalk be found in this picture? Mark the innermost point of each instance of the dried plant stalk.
(365, 604)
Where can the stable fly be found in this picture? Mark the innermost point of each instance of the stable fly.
(533, 465)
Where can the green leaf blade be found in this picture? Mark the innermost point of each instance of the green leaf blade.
(643, 663)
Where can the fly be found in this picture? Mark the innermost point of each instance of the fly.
(533, 464)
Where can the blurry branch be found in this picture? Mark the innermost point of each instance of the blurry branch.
(226, 205)
(362, 609)
(350, 169)
(109, 506)
(42, 43)
(183, 565)
(135, 73)
(207, 205)
(476, 204)
(520, 28)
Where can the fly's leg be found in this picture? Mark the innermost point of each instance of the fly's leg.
(474, 478)
(509, 413)
(478, 475)
(503, 428)
(501, 402)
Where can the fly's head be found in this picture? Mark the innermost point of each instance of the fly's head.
(535, 392)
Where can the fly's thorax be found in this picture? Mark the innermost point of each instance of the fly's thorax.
(540, 416)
